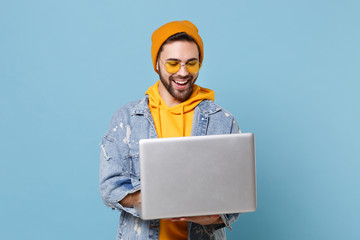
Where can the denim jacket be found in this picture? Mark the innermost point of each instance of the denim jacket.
(119, 165)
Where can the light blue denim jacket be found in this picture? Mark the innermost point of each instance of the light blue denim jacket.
(119, 165)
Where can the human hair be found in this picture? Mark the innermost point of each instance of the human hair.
(181, 36)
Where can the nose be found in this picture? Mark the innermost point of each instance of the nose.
(183, 71)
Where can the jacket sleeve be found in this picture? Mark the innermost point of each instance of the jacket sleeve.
(115, 179)
(229, 219)
(235, 127)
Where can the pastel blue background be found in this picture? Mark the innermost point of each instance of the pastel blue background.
(288, 71)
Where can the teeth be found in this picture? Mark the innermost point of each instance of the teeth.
(182, 83)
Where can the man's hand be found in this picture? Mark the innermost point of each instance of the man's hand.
(203, 220)
(132, 200)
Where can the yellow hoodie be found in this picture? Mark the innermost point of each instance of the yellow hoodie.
(175, 121)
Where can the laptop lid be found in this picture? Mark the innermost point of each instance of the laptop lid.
(198, 175)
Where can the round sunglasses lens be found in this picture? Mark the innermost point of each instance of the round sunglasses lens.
(172, 66)
(193, 66)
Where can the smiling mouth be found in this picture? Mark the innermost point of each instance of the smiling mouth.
(181, 82)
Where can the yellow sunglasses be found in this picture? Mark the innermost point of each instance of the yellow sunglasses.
(173, 66)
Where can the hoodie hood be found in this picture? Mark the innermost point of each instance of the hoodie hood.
(175, 121)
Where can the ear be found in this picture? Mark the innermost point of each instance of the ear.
(157, 66)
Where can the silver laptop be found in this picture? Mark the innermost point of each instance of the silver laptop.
(193, 176)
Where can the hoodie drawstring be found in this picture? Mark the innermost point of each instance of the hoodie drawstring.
(183, 121)
(159, 117)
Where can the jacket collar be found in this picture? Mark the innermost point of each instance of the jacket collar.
(208, 107)
(205, 107)
(142, 107)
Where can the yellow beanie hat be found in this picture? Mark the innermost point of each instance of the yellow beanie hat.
(164, 32)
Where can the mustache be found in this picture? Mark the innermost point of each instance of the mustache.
(187, 77)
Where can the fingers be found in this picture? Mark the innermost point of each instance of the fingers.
(195, 217)
(179, 219)
(203, 220)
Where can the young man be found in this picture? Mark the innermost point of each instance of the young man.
(174, 107)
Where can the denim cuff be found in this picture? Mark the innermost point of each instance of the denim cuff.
(228, 219)
(225, 220)
(133, 211)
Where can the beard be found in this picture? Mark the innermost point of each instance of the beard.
(180, 95)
